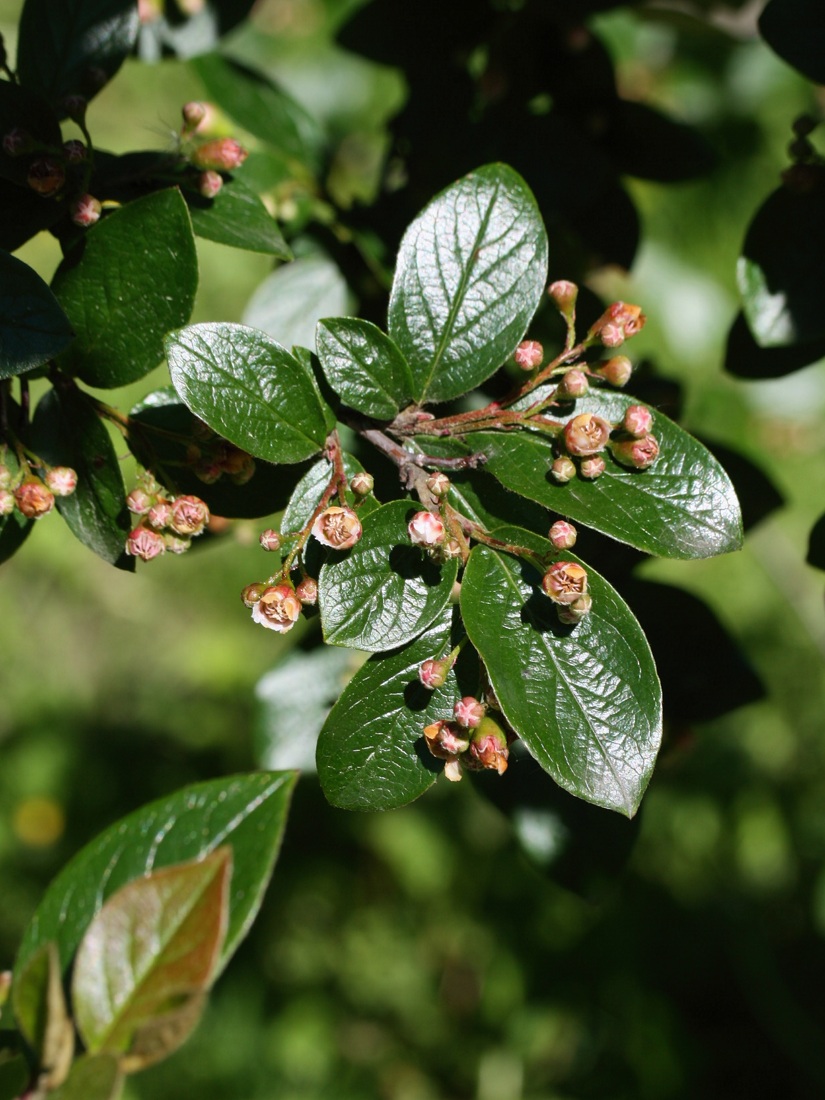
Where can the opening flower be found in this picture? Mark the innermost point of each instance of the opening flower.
(61, 480)
(34, 499)
(488, 747)
(637, 453)
(189, 515)
(426, 529)
(277, 609)
(144, 543)
(564, 582)
(337, 527)
(586, 434)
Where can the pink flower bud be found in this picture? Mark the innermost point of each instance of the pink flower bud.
(445, 740)
(85, 211)
(586, 434)
(638, 421)
(46, 176)
(563, 294)
(488, 746)
(362, 484)
(160, 514)
(210, 183)
(576, 611)
(618, 323)
(563, 535)
(637, 453)
(616, 371)
(469, 712)
(34, 499)
(175, 544)
(253, 592)
(193, 115)
(207, 471)
(433, 673)
(307, 591)
(6, 502)
(426, 529)
(592, 467)
(565, 581)
(16, 142)
(62, 480)
(573, 384)
(222, 154)
(337, 527)
(270, 540)
(139, 502)
(529, 354)
(145, 544)
(563, 470)
(278, 608)
(75, 151)
(245, 471)
(439, 485)
(189, 516)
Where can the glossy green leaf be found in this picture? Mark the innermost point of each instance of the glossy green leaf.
(248, 389)
(67, 431)
(371, 751)
(795, 29)
(363, 366)
(64, 44)
(199, 31)
(237, 217)
(247, 812)
(586, 699)
(41, 1012)
(33, 327)
(746, 359)
(470, 275)
(384, 591)
(150, 951)
(781, 271)
(92, 1077)
(135, 282)
(289, 303)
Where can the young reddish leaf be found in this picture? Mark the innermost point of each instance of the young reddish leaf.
(41, 1013)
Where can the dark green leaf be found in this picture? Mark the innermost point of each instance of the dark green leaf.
(585, 700)
(189, 35)
(33, 327)
(135, 282)
(384, 591)
(248, 389)
(14, 1075)
(27, 110)
(247, 812)
(92, 1077)
(795, 29)
(469, 277)
(289, 303)
(746, 359)
(781, 272)
(66, 46)
(237, 217)
(643, 142)
(816, 544)
(364, 366)
(371, 751)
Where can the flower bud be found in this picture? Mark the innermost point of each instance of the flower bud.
(46, 176)
(207, 471)
(564, 582)
(529, 354)
(439, 485)
(307, 591)
(160, 514)
(193, 115)
(362, 484)
(804, 125)
(563, 535)
(85, 211)
(6, 502)
(75, 107)
(618, 323)
(592, 467)
(62, 480)
(34, 499)
(175, 544)
(576, 611)
(469, 711)
(638, 420)
(190, 516)
(270, 540)
(210, 183)
(337, 527)
(277, 609)
(451, 549)
(445, 740)
(488, 746)
(145, 544)
(573, 384)
(139, 502)
(75, 151)
(586, 434)
(563, 294)
(636, 453)
(433, 673)
(222, 154)
(426, 529)
(17, 142)
(616, 371)
(253, 592)
(563, 470)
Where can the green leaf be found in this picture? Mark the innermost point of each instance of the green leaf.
(781, 271)
(67, 431)
(248, 389)
(794, 29)
(151, 951)
(470, 275)
(135, 281)
(63, 42)
(384, 591)
(247, 812)
(289, 303)
(364, 366)
(237, 217)
(371, 751)
(14, 1076)
(585, 700)
(92, 1077)
(190, 35)
(33, 327)
(42, 1015)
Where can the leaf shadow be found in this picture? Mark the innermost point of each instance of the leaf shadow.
(410, 563)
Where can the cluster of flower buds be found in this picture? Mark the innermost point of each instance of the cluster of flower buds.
(210, 457)
(635, 446)
(565, 582)
(33, 496)
(587, 436)
(166, 522)
(618, 323)
(427, 530)
(473, 740)
(278, 606)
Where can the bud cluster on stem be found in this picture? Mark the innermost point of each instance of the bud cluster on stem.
(166, 522)
(31, 495)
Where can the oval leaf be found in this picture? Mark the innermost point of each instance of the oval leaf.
(248, 389)
(384, 591)
(237, 217)
(363, 366)
(470, 275)
(33, 327)
(795, 30)
(585, 700)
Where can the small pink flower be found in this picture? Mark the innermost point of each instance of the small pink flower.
(160, 514)
(16, 142)
(193, 115)
(270, 540)
(362, 484)
(222, 154)
(33, 499)
(426, 529)
(529, 354)
(337, 527)
(488, 746)
(445, 740)
(618, 323)
(638, 420)
(277, 609)
(62, 480)
(563, 535)
(189, 515)
(85, 211)
(175, 544)
(253, 592)
(586, 434)
(637, 453)
(439, 485)
(433, 673)
(139, 502)
(469, 712)
(576, 611)
(565, 581)
(210, 183)
(145, 544)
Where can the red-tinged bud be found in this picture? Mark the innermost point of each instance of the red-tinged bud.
(231, 458)
(638, 420)
(62, 480)
(193, 115)
(469, 711)
(362, 484)
(207, 471)
(576, 611)
(222, 154)
(139, 502)
(85, 211)
(337, 527)
(75, 151)
(565, 581)
(451, 549)
(426, 529)
(6, 477)
(563, 294)
(445, 740)
(573, 384)
(6, 502)
(46, 176)
(592, 467)
(190, 516)
(636, 453)
(75, 107)
(563, 535)
(618, 323)
(160, 514)
(17, 142)
(34, 499)
(616, 371)
(439, 485)
(529, 354)
(210, 183)
(307, 591)
(586, 434)
(175, 544)
(563, 470)
(270, 540)
(253, 592)
(488, 746)
(145, 544)
(433, 674)
(278, 608)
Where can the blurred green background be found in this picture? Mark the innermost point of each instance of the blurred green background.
(425, 954)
